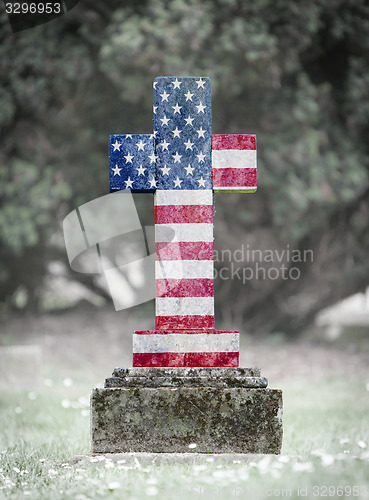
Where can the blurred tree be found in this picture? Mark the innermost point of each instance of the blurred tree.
(296, 74)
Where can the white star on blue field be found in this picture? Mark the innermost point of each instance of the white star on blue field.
(182, 120)
(178, 154)
(132, 162)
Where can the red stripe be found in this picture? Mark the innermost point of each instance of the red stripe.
(182, 322)
(186, 359)
(198, 287)
(234, 141)
(234, 177)
(183, 250)
(209, 331)
(179, 214)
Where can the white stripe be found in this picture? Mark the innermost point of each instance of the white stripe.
(184, 306)
(190, 269)
(183, 232)
(182, 342)
(185, 197)
(234, 158)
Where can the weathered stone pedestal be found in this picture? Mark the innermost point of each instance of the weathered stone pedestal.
(164, 410)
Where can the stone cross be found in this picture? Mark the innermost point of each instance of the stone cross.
(183, 164)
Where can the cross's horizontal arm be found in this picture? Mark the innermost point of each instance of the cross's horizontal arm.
(133, 164)
(234, 163)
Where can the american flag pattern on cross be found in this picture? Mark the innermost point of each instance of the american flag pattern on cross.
(184, 201)
(234, 163)
(177, 162)
(132, 162)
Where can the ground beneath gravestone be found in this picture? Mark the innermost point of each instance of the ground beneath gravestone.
(88, 342)
(326, 407)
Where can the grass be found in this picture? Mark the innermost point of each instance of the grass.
(325, 451)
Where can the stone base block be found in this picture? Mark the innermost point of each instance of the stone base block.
(126, 416)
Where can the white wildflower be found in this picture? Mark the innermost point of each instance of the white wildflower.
(226, 474)
(327, 460)
(303, 467)
(318, 453)
(192, 446)
(152, 491)
(199, 467)
(361, 444)
(114, 485)
(264, 464)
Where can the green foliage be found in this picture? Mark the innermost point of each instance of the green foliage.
(267, 64)
(294, 73)
(31, 198)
